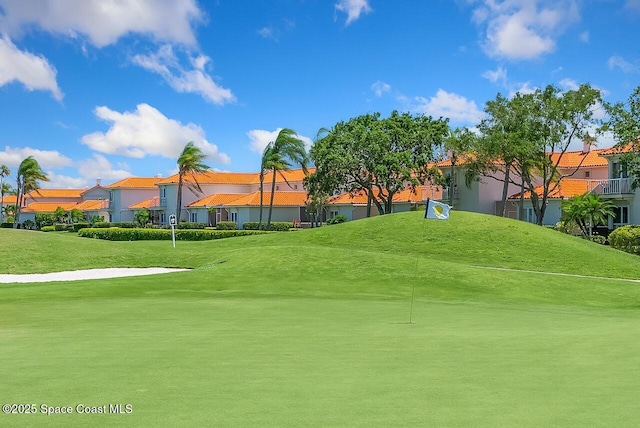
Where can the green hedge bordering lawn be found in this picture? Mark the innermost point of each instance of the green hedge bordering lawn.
(276, 226)
(626, 238)
(118, 234)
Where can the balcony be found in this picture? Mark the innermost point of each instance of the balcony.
(446, 196)
(162, 202)
(610, 187)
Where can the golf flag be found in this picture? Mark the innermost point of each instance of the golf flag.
(437, 210)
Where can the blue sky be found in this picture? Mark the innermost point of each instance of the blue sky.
(109, 89)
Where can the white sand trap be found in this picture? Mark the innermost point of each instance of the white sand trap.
(78, 275)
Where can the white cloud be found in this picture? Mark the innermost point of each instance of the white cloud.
(33, 71)
(523, 29)
(380, 88)
(500, 75)
(569, 85)
(619, 62)
(63, 182)
(353, 8)
(522, 88)
(259, 138)
(48, 159)
(584, 37)
(267, 33)
(166, 64)
(99, 167)
(104, 22)
(147, 132)
(449, 105)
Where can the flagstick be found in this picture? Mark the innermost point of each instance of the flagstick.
(413, 289)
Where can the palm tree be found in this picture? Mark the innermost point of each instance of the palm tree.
(191, 161)
(287, 146)
(270, 160)
(29, 173)
(587, 211)
(4, 188)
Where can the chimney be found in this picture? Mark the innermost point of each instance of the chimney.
(98, 181)
(158, 175)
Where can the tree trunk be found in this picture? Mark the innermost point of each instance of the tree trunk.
(505, 190)
(261, 196)
(273, 188)
(369, 197)
(179, 201)
(521, 205)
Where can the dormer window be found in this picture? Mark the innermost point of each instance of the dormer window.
(587, 174)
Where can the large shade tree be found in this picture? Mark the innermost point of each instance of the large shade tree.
(190, 163)
(286, 149)
(28, 179)
(530, 134)
(377, 156)
(624, 122)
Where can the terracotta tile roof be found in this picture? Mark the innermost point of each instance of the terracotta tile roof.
(292, 175)
(407, 195)
(280, 199)
(48, 207)
(216, 177)
(573, 159)
(93, 205)
(217, 199)
(135, 183)
(615, 150)
(146, 204)
(97, 186)
(55, 193)
(568, 187)
(10, 199)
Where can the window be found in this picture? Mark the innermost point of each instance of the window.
(163, 192)
(111, 196)
(333, 214)
(621, 216)
(587, 174)
(619, 170)
(163, 218)
(234, 217)
(295, 187)
(193, 217)
(529, 215)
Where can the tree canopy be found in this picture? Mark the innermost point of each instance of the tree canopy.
(190, 162)
(378, 156)
(27, 180)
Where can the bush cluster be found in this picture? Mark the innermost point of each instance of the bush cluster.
(47, 228)
(120, 234)
(337, 219)
(6, 225)
(191, 225)
(626, 238)
(227, 225)
(276, 226)
(598, 239)
(101, 225)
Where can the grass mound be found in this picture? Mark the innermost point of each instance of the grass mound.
(309, 328)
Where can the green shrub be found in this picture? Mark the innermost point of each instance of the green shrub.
(120, 234)
(6, 225)
(337, 219)
(598, 239)
(227, 225)
(10, 220)
(29, 225)
(276, 226)
(191, 225)
(48, 228)
(125, 224)
(101, 225)
(59, 227)
(78, 226)
(44, 219)
(626, 238)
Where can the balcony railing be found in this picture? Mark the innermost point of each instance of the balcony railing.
(612, 186)
(447, 196)
(163, 202)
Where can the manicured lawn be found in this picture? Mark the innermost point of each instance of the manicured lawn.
(310, 329)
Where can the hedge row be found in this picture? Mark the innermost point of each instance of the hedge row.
(119, 234)
(626, 238)
(276, 226)
(227, 225)
(6, 225)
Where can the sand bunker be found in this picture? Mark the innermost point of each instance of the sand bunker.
(78, 275)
